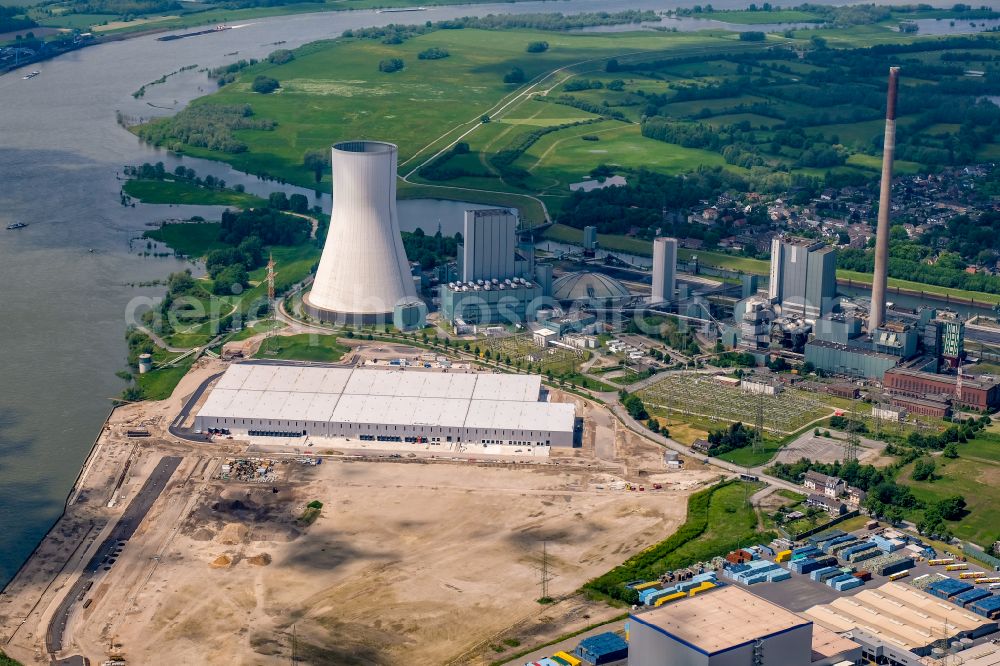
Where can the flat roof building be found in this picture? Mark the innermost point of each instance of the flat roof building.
(900, 617)
(729, 626)
(385, 405)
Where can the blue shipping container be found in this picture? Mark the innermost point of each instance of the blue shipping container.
(602, 648)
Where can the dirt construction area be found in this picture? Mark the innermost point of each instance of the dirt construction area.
(263, 558)
(407, 563)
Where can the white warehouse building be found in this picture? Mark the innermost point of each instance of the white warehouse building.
(385, 405)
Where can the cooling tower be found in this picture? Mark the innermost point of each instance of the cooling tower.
(881, 276)
(363, 273)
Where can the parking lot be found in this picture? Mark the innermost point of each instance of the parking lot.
(827, 449)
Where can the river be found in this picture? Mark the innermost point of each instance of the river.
(65, 278)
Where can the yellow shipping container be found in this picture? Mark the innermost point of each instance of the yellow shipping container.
(956, 567)
(783, 556)
(701, 588)
(565, 656)
(669, 597)
(972, 574)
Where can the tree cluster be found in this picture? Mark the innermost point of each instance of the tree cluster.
(736, 436)
(204, 126)
(433, 53)
(390, 65)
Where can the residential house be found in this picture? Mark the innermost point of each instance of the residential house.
(830, 486)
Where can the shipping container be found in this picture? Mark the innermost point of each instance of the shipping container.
(988, 607)
(701, 588)
(972, 574)
(849, 584)
(568, 658)
(899, 574)
(863, 575)
(940, 561)
(969, 596)
(783, 556)
(602, 649)
(667, 598)
(956, 567)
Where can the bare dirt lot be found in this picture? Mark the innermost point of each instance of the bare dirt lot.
(408, 563)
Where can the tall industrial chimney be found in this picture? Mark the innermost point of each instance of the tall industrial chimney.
(363, 273)
(877, 317)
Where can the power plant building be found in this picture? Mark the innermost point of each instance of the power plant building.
(488, 244)
(499, 281)
(363, 273)
(276, 400)
(803, 276)
(664, 270)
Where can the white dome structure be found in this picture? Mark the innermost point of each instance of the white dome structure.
(363, 273)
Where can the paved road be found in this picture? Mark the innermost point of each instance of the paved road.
(680, 448)
(175, 428)
(123, 530)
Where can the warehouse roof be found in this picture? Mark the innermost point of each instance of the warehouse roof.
(827, 644)
(372, 396)
(898, 614)
(985, 654)
(721, 619)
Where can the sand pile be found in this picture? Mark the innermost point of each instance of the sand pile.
(232, 534)
(222, 561)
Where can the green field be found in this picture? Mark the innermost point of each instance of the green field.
(192, 239)
(303, 347)
(181, 192)
(975, 475)
(749, 458)
(160, 383)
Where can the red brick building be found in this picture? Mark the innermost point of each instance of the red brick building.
(976, 393)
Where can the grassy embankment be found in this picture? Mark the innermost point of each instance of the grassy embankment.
(975, 475)
(181, 192)
(304, 347)
(718, 520)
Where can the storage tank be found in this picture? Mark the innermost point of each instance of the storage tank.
(145, 363)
